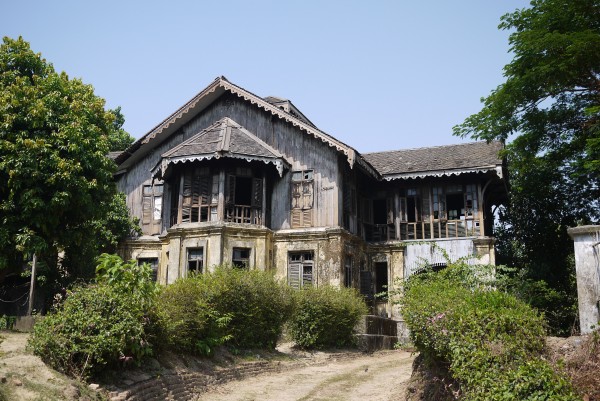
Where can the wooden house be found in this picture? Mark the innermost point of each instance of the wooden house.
(233, 178)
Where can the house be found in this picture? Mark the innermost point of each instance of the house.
(233, 178)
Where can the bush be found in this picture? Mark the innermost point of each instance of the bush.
(259, 305)
(325, 316)
(490, 340)
(96, 326)
(186, 317)
(100, 324)
(245, 309)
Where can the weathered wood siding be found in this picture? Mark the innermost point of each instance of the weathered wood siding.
(301, 150)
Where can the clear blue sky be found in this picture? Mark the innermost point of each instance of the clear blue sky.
(378, 75)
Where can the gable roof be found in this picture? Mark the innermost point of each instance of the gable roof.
(438, 161)
(203, 99)
(224, 138)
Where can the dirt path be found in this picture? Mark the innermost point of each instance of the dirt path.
(25, 377)
(381, 376)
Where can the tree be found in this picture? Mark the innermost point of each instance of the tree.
(119, 139)
(550, 102)
(56, 182)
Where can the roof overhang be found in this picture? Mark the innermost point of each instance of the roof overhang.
(497, 169)
(202, 100)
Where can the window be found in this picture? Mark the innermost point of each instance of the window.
(153, 262)
(300, 269)
(302, 198)
(348, 271)
(241, 258)
(243, 197)
(197, 196)
(349, 215)
(195, 260)
(152, 208)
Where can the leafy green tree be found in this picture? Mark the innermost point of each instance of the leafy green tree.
(56, 184)
(550, 102)
(119, 138)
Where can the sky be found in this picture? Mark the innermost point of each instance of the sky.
(377, 75)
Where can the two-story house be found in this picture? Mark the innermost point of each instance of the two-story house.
(233, 178)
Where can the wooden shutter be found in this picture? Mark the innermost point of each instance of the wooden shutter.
(294, 274)
(204, 188)
(402, 211)
(307, 220)
(296, 218)
(257, 192)
(307, 195)
(186, 204)
(147, 209)
(307, 273)
(390, 210)
(426, 209)
(230, 190)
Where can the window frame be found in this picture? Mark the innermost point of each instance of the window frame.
(153, 262)
(305, 275)
(152, 207)
(245, 261)
(198, 260)
(302, 197)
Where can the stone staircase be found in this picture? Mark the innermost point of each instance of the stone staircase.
(377, 333)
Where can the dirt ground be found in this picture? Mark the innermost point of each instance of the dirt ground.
(25, 377)
(380, 376)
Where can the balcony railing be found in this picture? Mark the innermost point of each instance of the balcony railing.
(243, 214)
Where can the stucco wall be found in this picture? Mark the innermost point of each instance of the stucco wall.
(587, 265)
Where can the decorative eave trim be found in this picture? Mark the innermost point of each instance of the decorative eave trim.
(160, 169)
(444, 173)
(222, 82)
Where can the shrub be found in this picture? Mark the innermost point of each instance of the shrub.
(100, 324)
(245, 309)
(325, 316)
(186, 317)
(96, 326)
(490, 340)
(259, 305)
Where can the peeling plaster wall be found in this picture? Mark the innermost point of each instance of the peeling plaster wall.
(479, 251)
(216, 240)
(587, 265)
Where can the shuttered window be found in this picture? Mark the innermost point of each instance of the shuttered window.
(152, 197)
(302, 198)
(300, 269)
(196, 196)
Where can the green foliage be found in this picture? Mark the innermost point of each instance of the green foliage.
(7, 322)
(186, 318)
(101, 324)
(56, 183)
(551, 102)
(490, 340)
(96, 326)
(245, 309)
(558, 307)
(325, 316)
(129, 278)
(119, 138)
(259, 305)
